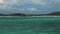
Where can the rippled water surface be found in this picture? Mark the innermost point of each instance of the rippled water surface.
(29, 25)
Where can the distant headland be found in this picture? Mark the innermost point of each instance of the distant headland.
(22, 14)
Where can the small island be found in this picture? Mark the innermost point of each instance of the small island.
(22, 14)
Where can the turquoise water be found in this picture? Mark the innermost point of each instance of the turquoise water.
(29, 25)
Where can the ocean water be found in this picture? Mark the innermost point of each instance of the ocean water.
(29, 25)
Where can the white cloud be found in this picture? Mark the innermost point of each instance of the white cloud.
(1, 1)
(29, 9)
(40, 2)
(8, 3)
(33, 9)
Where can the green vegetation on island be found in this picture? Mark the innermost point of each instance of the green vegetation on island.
(22, 14)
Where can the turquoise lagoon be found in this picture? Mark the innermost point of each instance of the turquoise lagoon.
(30, 25)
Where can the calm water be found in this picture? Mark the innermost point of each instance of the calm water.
(29, 25)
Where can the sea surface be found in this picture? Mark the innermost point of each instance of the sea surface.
(29, 24)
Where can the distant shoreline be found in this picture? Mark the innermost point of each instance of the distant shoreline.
(30, 16)
(22, 14)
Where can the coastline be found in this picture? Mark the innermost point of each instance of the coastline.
(29, 16)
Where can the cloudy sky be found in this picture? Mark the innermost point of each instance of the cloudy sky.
(29, 6)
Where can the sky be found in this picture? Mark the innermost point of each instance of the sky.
(29, 6)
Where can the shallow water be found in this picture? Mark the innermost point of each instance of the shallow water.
(29, 25)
